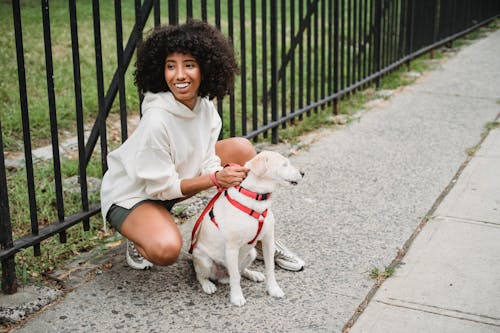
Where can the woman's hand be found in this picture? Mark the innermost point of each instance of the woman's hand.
(231, 176)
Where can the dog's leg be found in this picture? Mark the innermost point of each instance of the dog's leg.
(232, 254)
(268, 252)
(247, 273)
(203, 268)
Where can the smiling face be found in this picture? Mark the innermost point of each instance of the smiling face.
(183, 77)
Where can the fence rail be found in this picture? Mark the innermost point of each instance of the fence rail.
(296, 57)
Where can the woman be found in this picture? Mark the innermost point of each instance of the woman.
(174, 152)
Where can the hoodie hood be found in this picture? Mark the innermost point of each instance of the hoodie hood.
(166, 101)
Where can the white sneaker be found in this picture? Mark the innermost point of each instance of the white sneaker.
(134, 258)
(283, 257)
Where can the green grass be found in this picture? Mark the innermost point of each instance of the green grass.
(381, 275)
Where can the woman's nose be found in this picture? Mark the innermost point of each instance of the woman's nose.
(181, 74)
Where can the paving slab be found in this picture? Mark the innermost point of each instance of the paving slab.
(476, 194)
(392, 318)
(451, 272)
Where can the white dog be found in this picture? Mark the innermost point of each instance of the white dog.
(240, 216)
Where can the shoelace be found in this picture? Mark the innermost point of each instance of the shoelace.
(135, 254)
(280, 250)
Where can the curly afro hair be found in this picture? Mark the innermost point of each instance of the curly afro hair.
(213, 52)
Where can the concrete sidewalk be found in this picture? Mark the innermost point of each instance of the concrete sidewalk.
(450, 279)
(368, 186)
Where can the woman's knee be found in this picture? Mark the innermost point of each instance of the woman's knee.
(164, 251)
(235, 150)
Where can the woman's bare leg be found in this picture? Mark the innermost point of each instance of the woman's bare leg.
(154, 233)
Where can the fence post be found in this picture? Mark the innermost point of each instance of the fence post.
(274, 71)
(336, 42)
(378, 39)
(9, 283)
(409, 30)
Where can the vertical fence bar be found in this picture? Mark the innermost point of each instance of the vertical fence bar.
(336, 53)
(315, 50)
(382, 53)
(354, 24)
(217, 7)
(323, 48)
(292, 62)
(371, 64)
(138, 39)
(82, 170)
(283, 60)
(409, 30)
(218, 13)
(156, 13)
(348, 44)
(49, 70)
(265, 118)
(9, 283)
(189, 9)
(301, 58)
(357, 41)
(308, 61)
(204, 10)
(329, 48)
(253, 32)
(173, 12)
(377, 41)
(366, 33)
(397, 32)
(243, 69)
(23, 96)
(121, 69)
(402, 26)
(232, 108)
(342, 43)
(100, 84)
(274, 70)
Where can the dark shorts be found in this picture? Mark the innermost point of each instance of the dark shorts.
(117, 215)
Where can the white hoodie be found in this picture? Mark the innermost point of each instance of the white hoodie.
(172, 142)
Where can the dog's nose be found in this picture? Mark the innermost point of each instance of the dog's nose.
(302, 173)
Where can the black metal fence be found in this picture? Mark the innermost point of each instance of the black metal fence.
(296, 57)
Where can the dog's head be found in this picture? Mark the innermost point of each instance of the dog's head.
(274, 167)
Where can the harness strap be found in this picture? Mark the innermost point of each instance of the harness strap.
(252, 194)
(208, 208)
(244, 208)
(259, 216)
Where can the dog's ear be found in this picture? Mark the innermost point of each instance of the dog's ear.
(258, 165)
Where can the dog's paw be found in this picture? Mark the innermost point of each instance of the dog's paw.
(253, 275)
(208, 286)
(275, 291)
(238, 299)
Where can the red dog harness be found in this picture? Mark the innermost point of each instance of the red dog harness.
(209, 209)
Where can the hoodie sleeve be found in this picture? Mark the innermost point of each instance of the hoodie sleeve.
(212, 162)
(153, 163)
(161, 180)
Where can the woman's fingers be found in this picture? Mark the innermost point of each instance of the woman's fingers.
(232, 176)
